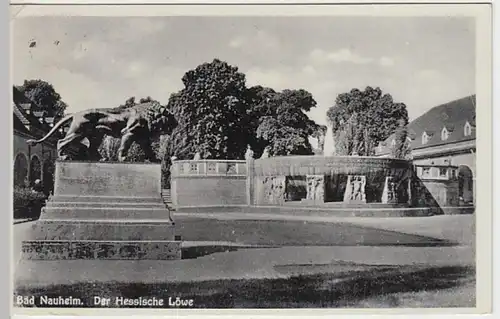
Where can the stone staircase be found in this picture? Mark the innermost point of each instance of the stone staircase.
(165, 195)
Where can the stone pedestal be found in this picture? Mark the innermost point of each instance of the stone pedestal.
(315, 188)
(104, 211)
(355, 189)
(389, 192)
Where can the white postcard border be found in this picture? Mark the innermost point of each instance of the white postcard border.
(484, 134)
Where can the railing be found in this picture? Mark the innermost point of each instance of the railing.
(208, 167)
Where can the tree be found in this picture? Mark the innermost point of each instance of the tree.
(362, 119)
(284, 126)
(45, 96)
(210, 112)
(402, 147)
(219, 116)
(259, 107)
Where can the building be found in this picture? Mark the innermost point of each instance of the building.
(443, 148)
(32, 162)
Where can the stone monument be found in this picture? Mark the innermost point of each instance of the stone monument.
(103, 210)
(249, 153)
(265, 154)
(106, 210)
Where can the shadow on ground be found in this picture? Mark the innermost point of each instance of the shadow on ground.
(200, 251)
(297, 233)
(333, 289)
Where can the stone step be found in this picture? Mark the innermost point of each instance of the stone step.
(313, 211)
(105, 213)
(159, 205)
(101, 250)
(102, 230)
(105, 199)
(319, 204)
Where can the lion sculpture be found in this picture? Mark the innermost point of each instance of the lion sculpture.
(138, 123)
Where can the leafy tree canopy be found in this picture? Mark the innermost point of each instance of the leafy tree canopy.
(362, 119)
(219, 116)
(45, 96)
(210, 112)
(283, 124)
(402, 146)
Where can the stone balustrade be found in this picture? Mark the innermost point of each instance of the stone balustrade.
(208, 183)
(267, 181)
(208, 168)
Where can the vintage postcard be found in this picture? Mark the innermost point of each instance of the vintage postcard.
(319, 158)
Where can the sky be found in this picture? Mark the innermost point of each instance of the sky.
(98, 62)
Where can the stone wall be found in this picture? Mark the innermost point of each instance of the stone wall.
(206, 183)
(345, 179)
(326, 165)
(436, 185)
(107, 179)
(465, 157)
(306, 180)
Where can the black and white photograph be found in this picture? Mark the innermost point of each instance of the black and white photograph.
(250, 158)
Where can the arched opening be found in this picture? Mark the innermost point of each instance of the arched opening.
(48, 177)
(465, 186)
(35, 170)
(20, 170)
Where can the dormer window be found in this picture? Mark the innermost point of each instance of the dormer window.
(467, 129)
(425, 138)
(444, 134)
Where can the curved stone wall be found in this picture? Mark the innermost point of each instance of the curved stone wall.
(304, 180)
(311, 180)
(317, 165)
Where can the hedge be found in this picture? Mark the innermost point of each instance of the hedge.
(27, 204)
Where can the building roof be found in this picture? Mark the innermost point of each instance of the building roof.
(452, 115)
(23, 114)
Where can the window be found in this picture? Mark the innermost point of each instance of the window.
(467, 129)
(425, 138)
(444, 134)
(393, 143)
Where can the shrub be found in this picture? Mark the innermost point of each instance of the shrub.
(27, 204)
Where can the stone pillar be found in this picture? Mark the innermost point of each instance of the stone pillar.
(250, 181)
(409, 191)
(355, 189)
(315, 188)
(389, 193)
